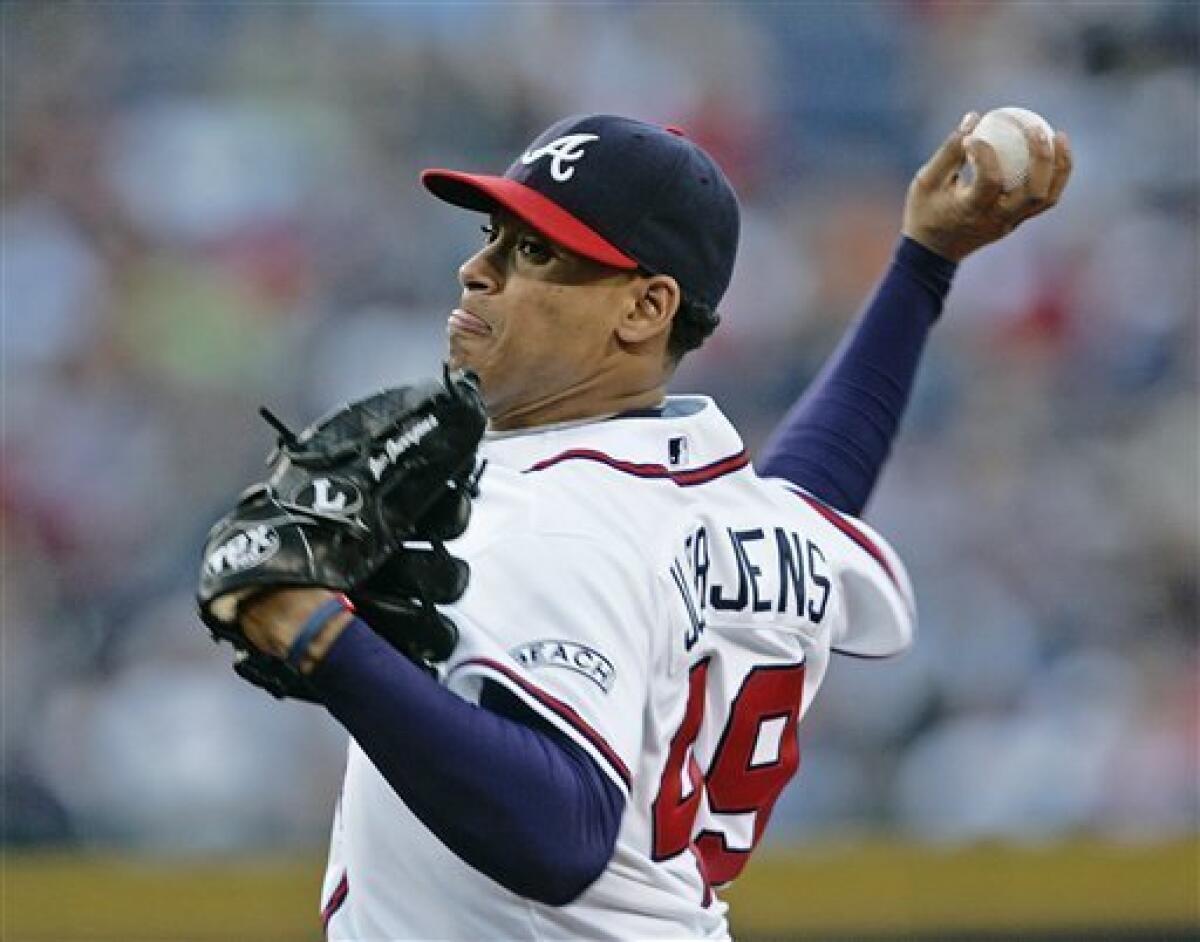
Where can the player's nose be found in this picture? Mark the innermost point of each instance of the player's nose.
(478, 275)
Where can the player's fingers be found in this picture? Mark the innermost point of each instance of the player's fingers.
(985, 187)
(949, 156)
(1064, 162)
(1041, 164)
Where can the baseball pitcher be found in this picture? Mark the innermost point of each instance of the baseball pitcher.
(572, 650)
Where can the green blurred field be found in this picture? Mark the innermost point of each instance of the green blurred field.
(1077, 891)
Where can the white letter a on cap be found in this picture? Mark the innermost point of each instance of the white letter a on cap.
(563, 150)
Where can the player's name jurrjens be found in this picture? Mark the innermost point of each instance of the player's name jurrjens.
(763, 570)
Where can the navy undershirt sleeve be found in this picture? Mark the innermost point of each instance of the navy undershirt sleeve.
(504, 791)
(836, 438)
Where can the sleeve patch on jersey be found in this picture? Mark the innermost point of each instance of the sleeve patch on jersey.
(569, 655)
(564, 712)
(854, 533)
(709, 472)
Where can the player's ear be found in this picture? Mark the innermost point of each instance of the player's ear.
(655, 301)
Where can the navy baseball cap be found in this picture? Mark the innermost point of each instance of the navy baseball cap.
(618, 191)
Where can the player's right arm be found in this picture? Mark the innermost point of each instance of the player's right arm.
(836, 438)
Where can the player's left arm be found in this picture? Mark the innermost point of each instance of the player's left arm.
(835, 440)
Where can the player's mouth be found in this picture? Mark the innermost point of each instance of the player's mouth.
(464, 322)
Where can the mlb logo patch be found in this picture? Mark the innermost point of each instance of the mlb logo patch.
(677, 452)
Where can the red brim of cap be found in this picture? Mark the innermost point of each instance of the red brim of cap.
(483, 193)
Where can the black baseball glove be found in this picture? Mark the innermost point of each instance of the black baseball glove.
(343, 503)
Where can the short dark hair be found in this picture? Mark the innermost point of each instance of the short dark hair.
(693, 324)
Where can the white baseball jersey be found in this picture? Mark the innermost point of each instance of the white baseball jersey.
(639, 586)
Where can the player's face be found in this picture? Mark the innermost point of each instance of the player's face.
(537, 323)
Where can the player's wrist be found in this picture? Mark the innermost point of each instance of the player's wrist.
(932, 269)
(317, 633)
(325, 639)
(296, 625)
(942, 244)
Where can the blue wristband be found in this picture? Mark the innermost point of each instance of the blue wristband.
(311, 628)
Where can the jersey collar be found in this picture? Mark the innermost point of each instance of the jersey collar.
(684, 433)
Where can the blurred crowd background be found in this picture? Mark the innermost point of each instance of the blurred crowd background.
(208, 206)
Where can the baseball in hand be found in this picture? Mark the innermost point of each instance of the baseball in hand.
(1004, 129)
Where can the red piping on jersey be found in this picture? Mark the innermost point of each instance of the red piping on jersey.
(857, 535)
(862, 657)
(340, 892)
(563, 710)
(690, 478)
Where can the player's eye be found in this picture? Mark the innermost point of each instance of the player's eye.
(489, 232)
(534, 249)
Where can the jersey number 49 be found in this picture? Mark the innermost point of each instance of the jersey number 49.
(738, 781)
